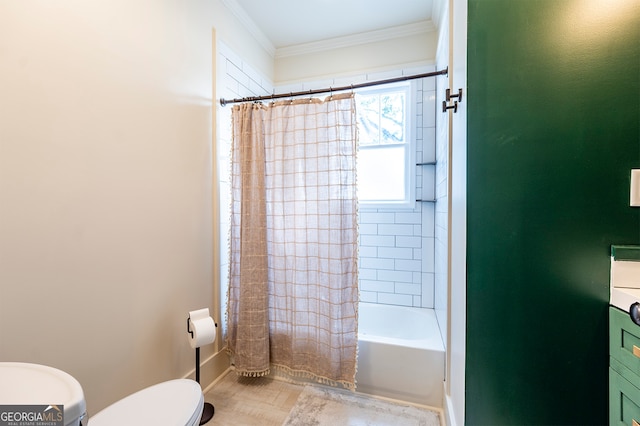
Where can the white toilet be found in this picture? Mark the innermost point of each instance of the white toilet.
(176, 402)
(33, 384)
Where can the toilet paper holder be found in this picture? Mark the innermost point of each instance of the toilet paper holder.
(208, 410)
(200, 333)
(189, 326)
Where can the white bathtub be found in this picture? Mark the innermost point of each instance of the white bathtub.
(400, 354)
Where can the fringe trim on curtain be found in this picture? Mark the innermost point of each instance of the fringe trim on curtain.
(253, 373)
(246, 373)
(285, 373)
(297, 376)
(227, 314)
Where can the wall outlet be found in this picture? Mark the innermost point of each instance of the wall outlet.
(635, 188)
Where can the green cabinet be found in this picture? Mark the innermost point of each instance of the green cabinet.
(624, 369)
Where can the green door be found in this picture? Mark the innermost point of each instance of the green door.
(553, 132)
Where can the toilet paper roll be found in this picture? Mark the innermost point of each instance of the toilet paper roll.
(203, 328)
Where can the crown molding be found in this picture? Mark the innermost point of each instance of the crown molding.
(356, 39)
(250, 26)
(437, 12)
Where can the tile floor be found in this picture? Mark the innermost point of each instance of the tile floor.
(245, 401)
(250, 401)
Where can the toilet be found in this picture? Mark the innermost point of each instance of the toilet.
(34, 384)
(175, 402)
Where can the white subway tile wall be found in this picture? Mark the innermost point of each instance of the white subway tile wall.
(397, 251)
(397, 246)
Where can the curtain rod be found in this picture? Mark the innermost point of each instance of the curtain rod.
(224, 102)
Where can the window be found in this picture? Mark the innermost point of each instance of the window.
(385, 172)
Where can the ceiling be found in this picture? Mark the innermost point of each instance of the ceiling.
(286, 23)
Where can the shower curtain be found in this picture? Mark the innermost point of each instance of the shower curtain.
(293, 284)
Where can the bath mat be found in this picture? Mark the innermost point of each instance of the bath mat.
(321, 406)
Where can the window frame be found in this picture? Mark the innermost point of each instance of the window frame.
(409, 200)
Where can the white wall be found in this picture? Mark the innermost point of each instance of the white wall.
(106, 211)
(442, 186)
(389, 54)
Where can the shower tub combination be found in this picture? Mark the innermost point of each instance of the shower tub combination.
(400, 354)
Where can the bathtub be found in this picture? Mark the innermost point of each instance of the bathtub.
(400, 354)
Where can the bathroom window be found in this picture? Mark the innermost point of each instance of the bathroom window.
(385, 175)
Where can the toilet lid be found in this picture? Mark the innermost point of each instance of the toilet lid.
(176, 402)
(34, 384)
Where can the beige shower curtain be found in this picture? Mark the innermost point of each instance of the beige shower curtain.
(293, 289)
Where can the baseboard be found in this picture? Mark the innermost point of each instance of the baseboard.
(449, 414)
(211, 370)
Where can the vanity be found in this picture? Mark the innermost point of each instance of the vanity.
(624, 337)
